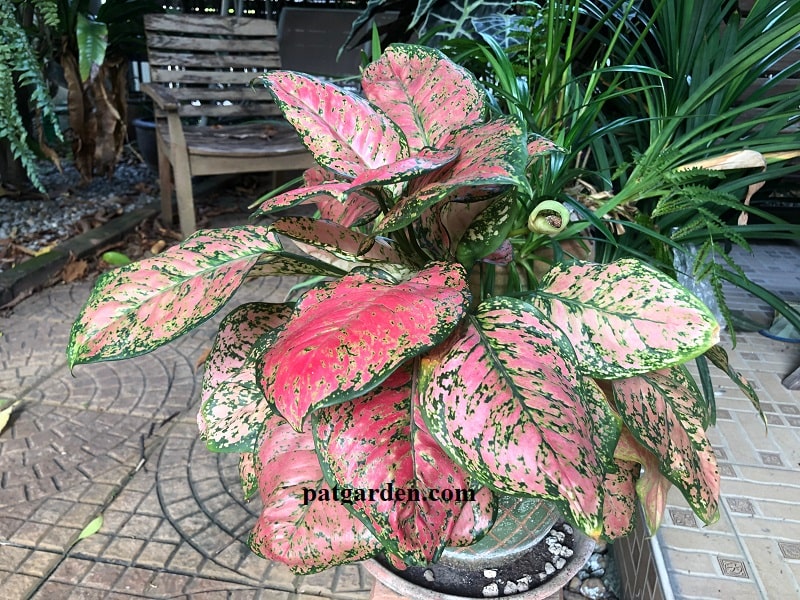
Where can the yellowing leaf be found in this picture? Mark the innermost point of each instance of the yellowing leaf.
(5, 415)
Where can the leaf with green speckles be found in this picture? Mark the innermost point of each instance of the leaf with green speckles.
(492, 154)
(378, 440)
(336, 202)
(301, 525)
(619, 499)
(342, 130)
(504, 398)
(347, 336)
(651, 487)
(424, 161)
(663, 412)
(338, 240)
(233, 408)
(625, 318)
(424, 92)
(247, 474)
(135, 309)
(488, 231)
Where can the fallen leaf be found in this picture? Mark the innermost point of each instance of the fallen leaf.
(201, 361)
(5, 415)
(116, 259)
(74, 270)
(92, 528)
(158, 247)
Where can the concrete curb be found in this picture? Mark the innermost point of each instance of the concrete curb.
(39, 271)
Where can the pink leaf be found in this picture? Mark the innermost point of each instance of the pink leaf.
(424, 161)
(325, 190)
(298, 526)
(663, 412)
(233, 408)
(625, 318)
(248, 474)
(378, 442)
(342, 131)
(139, 307)
(347, 336)
(619, 499)
(338, 240)
(505, 399)
(424, 92)
(492, 154)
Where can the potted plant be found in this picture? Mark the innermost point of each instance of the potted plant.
(410, 365)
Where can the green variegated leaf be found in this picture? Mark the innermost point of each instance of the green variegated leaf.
(338, 240)
(505, 400)
(342, 131)
(378, 442)
(619, 499)
(488, 231)
(137, 308)
(651, 487)
(301, 524)
(233, 408)
(424, 92)
(424, 161)
(347, 336)
(719, 358)
(492, 154)
(663, 412)
(625, 318)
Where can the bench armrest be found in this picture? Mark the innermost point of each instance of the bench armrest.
(162, 98)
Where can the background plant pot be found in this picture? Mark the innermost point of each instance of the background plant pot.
(520, 578)
(146, 141)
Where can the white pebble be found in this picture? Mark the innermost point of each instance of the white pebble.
(510, 588)
(524, 582)
(549, 568)
(567, 529)
(560, 562)
(491, 590)
(566, 552)
(428, 575)
(559, 535)
(489, 573)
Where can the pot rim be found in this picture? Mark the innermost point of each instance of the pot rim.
(582, 550)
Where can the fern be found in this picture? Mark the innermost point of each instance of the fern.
(20, 67)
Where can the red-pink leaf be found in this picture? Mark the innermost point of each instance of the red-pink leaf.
(492, 154)
(424, 92)
(247, 474)
(663, 411)
(652, 487)
(306, 534)
(359, 208)
(541, 146)
(378, 442)
(342, 131)
(347, 336)
(233, 408)
(505, 399)
(141, 306)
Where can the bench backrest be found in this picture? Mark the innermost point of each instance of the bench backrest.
(208, 62)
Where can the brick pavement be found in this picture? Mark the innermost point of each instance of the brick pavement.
(120, 439)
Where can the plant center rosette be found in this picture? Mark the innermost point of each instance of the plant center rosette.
(387, 373)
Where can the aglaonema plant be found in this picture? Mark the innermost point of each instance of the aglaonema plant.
(391, 370)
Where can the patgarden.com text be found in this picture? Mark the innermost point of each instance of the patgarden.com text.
(390, 493)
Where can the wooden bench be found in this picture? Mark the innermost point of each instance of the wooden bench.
(209, 120)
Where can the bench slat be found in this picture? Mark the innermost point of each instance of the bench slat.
(218, 61)
(211, 25)
(202, 45)
(241, 78)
